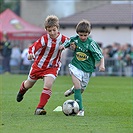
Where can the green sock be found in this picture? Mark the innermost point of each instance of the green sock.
(78, 97)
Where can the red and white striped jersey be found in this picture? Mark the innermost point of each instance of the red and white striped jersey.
(46, 51)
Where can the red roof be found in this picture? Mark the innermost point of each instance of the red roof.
(16, 28)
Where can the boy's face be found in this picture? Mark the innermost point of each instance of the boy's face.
(52, 31)
(83, 36)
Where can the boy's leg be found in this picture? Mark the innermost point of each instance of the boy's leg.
(23, 89)
(45, 95)
(21, 92)
(78, 97)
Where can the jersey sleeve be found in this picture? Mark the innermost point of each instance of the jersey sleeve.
(39, 44)
(67, 43)
(96, 51)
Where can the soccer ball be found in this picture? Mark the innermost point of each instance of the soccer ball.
(70, 107)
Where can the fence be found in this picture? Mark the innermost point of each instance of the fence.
(116, 67)
(113, 68)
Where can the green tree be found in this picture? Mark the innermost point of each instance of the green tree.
(11, 4)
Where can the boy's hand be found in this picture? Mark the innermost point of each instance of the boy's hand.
(30, 56)
(101, 68)
(101, 65)
(61, 47)
(72, 46)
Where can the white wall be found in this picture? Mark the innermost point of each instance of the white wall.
(68, 31)
(106, 36)
(111, 35)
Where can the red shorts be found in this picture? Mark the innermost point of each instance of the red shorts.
(38, 73)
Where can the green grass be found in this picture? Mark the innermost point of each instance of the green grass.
(107, 102)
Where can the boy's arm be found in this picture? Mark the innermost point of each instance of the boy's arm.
(101, 65)
(31, 56)
(35, 47)
(64, 45)
(73, 46)
(68, 43)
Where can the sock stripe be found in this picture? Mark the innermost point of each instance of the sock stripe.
(47, 91)
(22, 88)
(45, 95)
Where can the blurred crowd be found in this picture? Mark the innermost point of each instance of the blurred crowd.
(12, 59)
(118, 59)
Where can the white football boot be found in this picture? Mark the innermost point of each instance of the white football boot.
(71, 91)
(80, 113)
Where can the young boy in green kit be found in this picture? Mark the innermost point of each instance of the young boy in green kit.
(86, 54)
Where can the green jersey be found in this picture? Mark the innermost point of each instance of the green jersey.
(86, 53)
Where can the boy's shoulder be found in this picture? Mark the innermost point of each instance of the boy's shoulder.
(74, 37)
(45, 35)
(91, 40)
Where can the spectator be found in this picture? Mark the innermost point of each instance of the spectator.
(128, 60)
(15, 59)
(132, 59)
(6, 53)
(119, 59)
(26, 64)
(1, 47)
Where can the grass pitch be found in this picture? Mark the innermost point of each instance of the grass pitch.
(107, 102)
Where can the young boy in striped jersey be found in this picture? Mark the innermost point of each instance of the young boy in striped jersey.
(86, 54)
(46, 55)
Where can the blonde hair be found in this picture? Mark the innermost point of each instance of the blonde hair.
(51, 21)
(83, 26)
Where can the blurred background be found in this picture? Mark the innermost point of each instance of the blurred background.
(112, 29)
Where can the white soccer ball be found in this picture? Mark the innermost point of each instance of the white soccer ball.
(70, 107)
